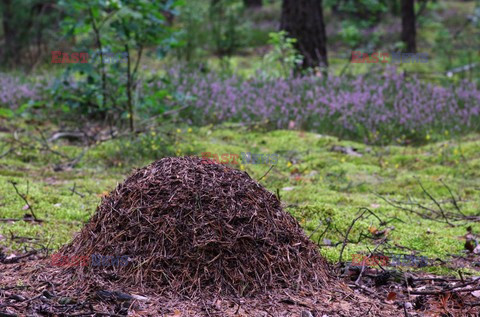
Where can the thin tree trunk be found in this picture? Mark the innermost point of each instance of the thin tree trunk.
(408, 26)
(129, 89)
(96, 31)
(303, 20)
(12, 52)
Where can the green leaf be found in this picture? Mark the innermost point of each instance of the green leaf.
(6, 113)
(161, 94)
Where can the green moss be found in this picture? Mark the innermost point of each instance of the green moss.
(317, 185)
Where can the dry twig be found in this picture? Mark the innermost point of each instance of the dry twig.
(14, 184)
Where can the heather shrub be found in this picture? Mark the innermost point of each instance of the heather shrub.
(379, 107)
(15, 94)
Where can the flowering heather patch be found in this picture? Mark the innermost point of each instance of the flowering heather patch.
(13, 92)
(380, 107)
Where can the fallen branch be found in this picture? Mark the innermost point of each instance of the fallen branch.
(68, 135)
(365, 210)
(9, 219)
(14, 184)
(17, 258)
(72, 162)
(329, 222)
(364, 261)
(454, 201)
(433, 213)
(396, 204)
(453, 289)
(266, 173)
(73, 189)
(47, 147)
(436, 203)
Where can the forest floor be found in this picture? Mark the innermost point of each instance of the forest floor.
(324, 182)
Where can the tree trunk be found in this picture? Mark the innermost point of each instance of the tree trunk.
(129, 89)
(408, 26)
(252, 3)
(12, 48)
(303, 20)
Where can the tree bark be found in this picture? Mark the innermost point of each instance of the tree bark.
(408, 26)
(12, 47)
(252, 3)
(303, 20)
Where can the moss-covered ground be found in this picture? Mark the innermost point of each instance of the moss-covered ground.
(320, 185)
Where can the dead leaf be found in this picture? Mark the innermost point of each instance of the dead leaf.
(103, 194)
(391, 296)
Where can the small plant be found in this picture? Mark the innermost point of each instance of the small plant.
(283, 53)
(350, 34)
(108, 90)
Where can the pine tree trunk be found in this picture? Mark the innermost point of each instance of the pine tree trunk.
(408, 26)
(12, 47)
(303, 20)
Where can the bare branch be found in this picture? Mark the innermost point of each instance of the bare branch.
(266, 173)
(25, 200)
(436, 203)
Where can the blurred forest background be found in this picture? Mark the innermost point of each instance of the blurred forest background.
(277, 63)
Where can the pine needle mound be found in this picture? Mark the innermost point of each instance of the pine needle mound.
(193, 228)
